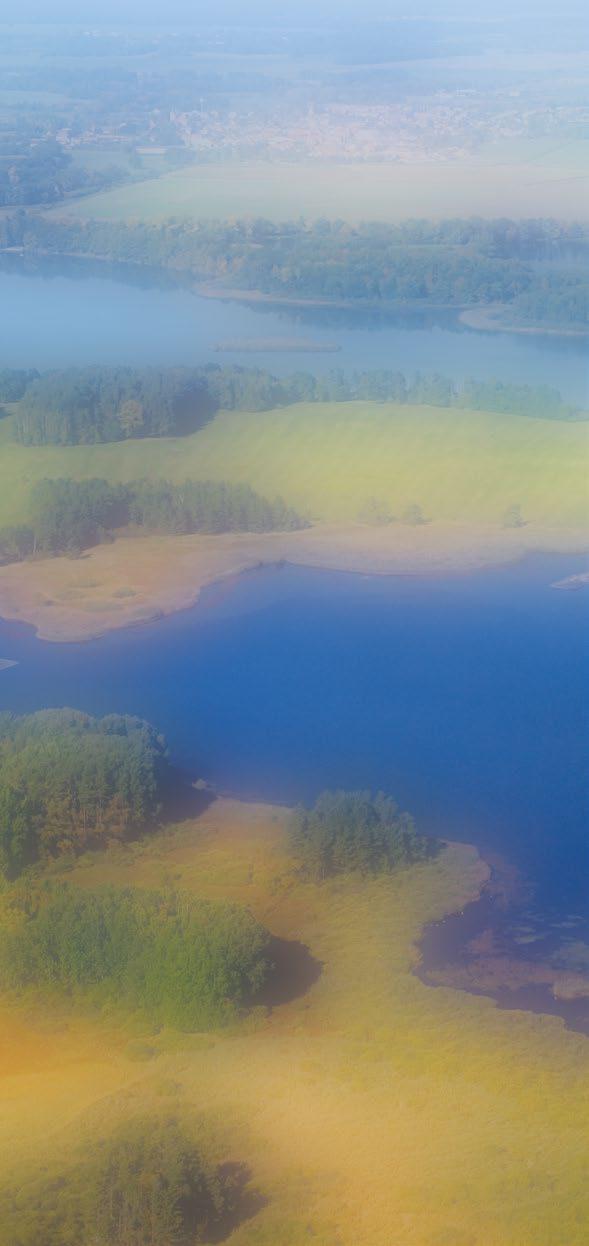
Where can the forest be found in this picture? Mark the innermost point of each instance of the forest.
(69, 782)
(450, 264)
(89, 405)
(185, 962)
(354, 831)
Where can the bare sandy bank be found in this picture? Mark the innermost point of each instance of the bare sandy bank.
(134, 580)
(494, 318)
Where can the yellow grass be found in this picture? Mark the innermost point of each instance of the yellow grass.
(373, 1111)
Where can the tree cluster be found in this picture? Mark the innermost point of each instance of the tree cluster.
(354, 831)
(69, 782)
(86, 405)
(42, 171)
(185, 962)
(68, 516)
(207, 506)
(151, 1182)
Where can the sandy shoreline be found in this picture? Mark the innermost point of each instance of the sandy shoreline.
(135, 580)
(489, 320)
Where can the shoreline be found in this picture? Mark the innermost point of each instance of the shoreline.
(486, 319)
(474, 950)
(141, 579)
(234, 294)
(479, 317)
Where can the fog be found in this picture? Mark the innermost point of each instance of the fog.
(301, 12)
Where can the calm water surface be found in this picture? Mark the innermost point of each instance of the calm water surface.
(466, 697)
(61, 313)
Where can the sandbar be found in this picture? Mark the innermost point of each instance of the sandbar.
(138, 579)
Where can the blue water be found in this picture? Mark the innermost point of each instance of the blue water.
(466, 697)
(56, 314)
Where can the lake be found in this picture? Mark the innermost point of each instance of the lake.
(58, 313)
(465, 697)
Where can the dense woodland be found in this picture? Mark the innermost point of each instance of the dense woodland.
(42, 171)
(454, 263)
(87, 405)
(81, 405)
(68, 516)
(347, 831)
(187, 963)
(149, 1183)
(70, 782)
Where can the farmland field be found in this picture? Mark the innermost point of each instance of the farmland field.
(533, 180)
(328, 460)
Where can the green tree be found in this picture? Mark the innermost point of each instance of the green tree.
(375, 512)
(413, 515)
(69, 781)
(131, 417)
(354, 831)
(152, 1181)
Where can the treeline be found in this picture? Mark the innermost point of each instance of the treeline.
(151, 1182)
(450, 263)
(14, 381)
(69, 781)
(353, 831)
(68, 516)
(87, 405)
(208, 506)
(187, 963)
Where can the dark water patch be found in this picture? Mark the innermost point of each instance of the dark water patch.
(183, 799)
(294, 971)
(244, 1201)
(499, 947)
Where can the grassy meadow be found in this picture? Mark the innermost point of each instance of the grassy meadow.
(328, 460)
(370, 1108)
(524, 182)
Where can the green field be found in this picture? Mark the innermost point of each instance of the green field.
(536, 181)
(327, 460)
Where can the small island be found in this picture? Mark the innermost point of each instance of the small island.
(278, 345)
